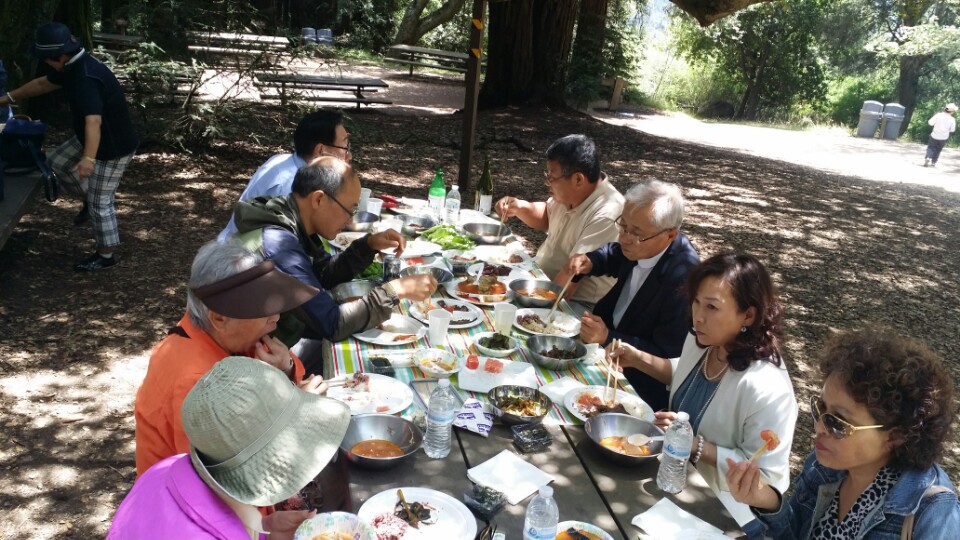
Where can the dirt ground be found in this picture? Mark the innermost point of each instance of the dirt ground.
(845, 252)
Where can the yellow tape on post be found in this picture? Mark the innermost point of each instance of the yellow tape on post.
(477, 23)
(476, 52)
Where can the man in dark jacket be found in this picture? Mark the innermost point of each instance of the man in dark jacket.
(94, 159)
(645, 307)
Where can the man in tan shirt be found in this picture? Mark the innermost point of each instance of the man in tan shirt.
(579, 217)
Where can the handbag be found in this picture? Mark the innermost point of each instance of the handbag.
(20, 144)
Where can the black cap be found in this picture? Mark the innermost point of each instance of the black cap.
(52, 40)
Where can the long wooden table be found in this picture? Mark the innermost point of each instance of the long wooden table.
(288, 84)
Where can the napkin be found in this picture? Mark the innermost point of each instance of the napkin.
(509, 474)
(558, 389)
(665, 520)
(475, 416)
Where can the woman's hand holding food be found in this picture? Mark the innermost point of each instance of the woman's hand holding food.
(744, 481)
(314, 384)
(417, 287)
(593, 329)
(388, 239)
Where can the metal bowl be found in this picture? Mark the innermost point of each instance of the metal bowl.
(442, 275)
(395, 429)
(622, 425)
(486, 233)
(539, 344)
(352, 290)
(499, 394)
(362, 222)
(518, 285)
(424, 223)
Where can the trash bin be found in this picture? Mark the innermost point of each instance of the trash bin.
(870, 115)
(307, 36)
(325, 36)
(892, 119)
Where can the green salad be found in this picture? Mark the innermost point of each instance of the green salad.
(447, 237)
(375, 270)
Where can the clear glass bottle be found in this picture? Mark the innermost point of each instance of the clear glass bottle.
(484, 202)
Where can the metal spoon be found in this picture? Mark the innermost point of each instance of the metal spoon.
(640, 439)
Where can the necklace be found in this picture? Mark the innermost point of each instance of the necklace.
(706, 361)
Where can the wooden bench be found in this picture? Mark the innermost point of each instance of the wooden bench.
(243, 47)
(18, 190)
(616, 96)
(430, 58)
(288, 85)
(116, 43)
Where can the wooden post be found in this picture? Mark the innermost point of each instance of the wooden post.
(475, 55)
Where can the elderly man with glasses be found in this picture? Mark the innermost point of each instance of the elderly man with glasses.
(285, 229)
(578, 217)
(645, 307)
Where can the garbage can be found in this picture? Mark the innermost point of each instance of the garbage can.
(325, 36)
(870, 115)
(308, 36)
(892, 119)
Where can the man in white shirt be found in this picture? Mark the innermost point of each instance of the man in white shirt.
(580, 215)
(943, 125)
(320, 133)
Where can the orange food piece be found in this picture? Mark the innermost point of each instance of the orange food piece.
(473, 361)
(771, 438)
(493, 366)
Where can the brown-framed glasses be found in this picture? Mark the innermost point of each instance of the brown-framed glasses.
(634, 236)
(836, 427)
(351, 213)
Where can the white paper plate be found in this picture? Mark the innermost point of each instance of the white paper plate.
(421, 361)
(582, 527)
(515, 273)
(479, 380)
(473, 316)
(454, 520)
(385, 396)
(416, 248)
(396, 325)
(335, 522)
(487, 300)
(344, 239)
(633, 404)
(501, 255)
(411, 207)
(568, 325)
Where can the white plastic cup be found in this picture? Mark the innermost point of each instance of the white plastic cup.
(504, 314)
(374, 206)
(439, 323)
(364, 197)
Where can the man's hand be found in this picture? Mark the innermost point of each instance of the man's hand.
(593, 329)
(386, 240)
(416, 288)
(272, 351)
(281, 525)
(508, 207)
(83, 168)
(578, 264)
(315, 385)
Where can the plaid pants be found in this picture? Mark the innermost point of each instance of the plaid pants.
(99, 189)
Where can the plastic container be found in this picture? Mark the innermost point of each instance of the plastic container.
(870, 115)
(441, 410)
(531, 437)
(437, 194)
(893, 114)
(451, 206)
(542, 517)
(677, 443)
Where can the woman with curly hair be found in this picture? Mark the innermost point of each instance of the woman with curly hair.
(881, 421)
(730, 377)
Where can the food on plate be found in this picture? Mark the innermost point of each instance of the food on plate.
(495, 270)
(590, 405)
(488, 285)
(359, 382)
(515, 258)
(574, 533)
(452, 308)
(473, 361)
(622, 445)
(389, 527)
(333, 535)
(447, 237)
(438, 363)
(377, 448)
(344, 239)
(538, 293)
(403, 337)
(497, 342)
(493, 365)
(415, 513)
(532, 322)
(521, 406)
(415, 226)
(771, 440)
(461, 258)
(560, 354)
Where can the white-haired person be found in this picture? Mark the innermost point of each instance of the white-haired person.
(646, 306)
(255, 440)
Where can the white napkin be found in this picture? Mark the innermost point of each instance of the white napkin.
(665, 520)
(511, 475)
(475, 416)
(558, 389)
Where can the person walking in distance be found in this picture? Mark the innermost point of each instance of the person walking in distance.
(943, 125)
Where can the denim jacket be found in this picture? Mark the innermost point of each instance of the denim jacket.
(937, 516)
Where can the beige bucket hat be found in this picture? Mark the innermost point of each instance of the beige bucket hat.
(256, 436)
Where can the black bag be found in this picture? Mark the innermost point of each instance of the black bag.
(20, 150)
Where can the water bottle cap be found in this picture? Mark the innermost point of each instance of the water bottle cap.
(546, 491)
(683, 417)
(455, 187)
(443, 383)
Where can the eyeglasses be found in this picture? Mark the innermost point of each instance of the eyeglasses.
(552, 179)
(345, 148)
(632, 235)
(837, 428)
(351, 213)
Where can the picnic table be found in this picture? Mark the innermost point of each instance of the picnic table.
(587, 487)
(293, 85)
(431, 58)
(18, 191)
(116, 43)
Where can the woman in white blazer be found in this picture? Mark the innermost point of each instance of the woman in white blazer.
(730, 377)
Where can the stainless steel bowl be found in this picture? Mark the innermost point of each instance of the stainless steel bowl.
(442, 275)
(423, 222)
(622, 425)
(351, 290)
(518, 285)
(362, 222)
(486, 233)
(499, 394)
(539, 344)
(397, 430)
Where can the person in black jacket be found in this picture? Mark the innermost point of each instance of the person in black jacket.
(645, 307)
(94, 159)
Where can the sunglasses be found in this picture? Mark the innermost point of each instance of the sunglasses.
(837, 428)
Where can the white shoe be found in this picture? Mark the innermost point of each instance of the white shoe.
(926, 162)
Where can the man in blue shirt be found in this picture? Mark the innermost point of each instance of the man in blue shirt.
(320, 133)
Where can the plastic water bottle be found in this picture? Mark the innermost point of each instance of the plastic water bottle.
(677, 443)
(451, 206)
(542, 516)
(442, 409)
(436, 194)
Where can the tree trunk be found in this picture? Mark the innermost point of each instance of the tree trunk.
(588, 45)
(553, 38)
(412, 27)
(17, 25)
(910, 67)
(78, 16)
(408, 25)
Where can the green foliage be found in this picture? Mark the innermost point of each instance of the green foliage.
(620, 57)
(453, 35)
(369, 24)
(846, 96)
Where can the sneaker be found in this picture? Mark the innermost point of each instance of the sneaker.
(96, 262)
(83, 216)
(926, 162)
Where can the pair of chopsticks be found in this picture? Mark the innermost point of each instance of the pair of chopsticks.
(611, 386)
(557, 301)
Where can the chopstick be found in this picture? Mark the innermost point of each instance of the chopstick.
(610, 377)
(559, 297)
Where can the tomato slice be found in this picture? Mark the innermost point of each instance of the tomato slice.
(473, 362)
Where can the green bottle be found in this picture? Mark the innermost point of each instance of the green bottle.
(484, 190)
(438, 193)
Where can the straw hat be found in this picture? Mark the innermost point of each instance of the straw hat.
(952, 107)
(257, 437)
(256, 292)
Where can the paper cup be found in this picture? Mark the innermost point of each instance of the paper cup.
(439, 322)
(374, 206)
(364, 197)
(504, 314)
